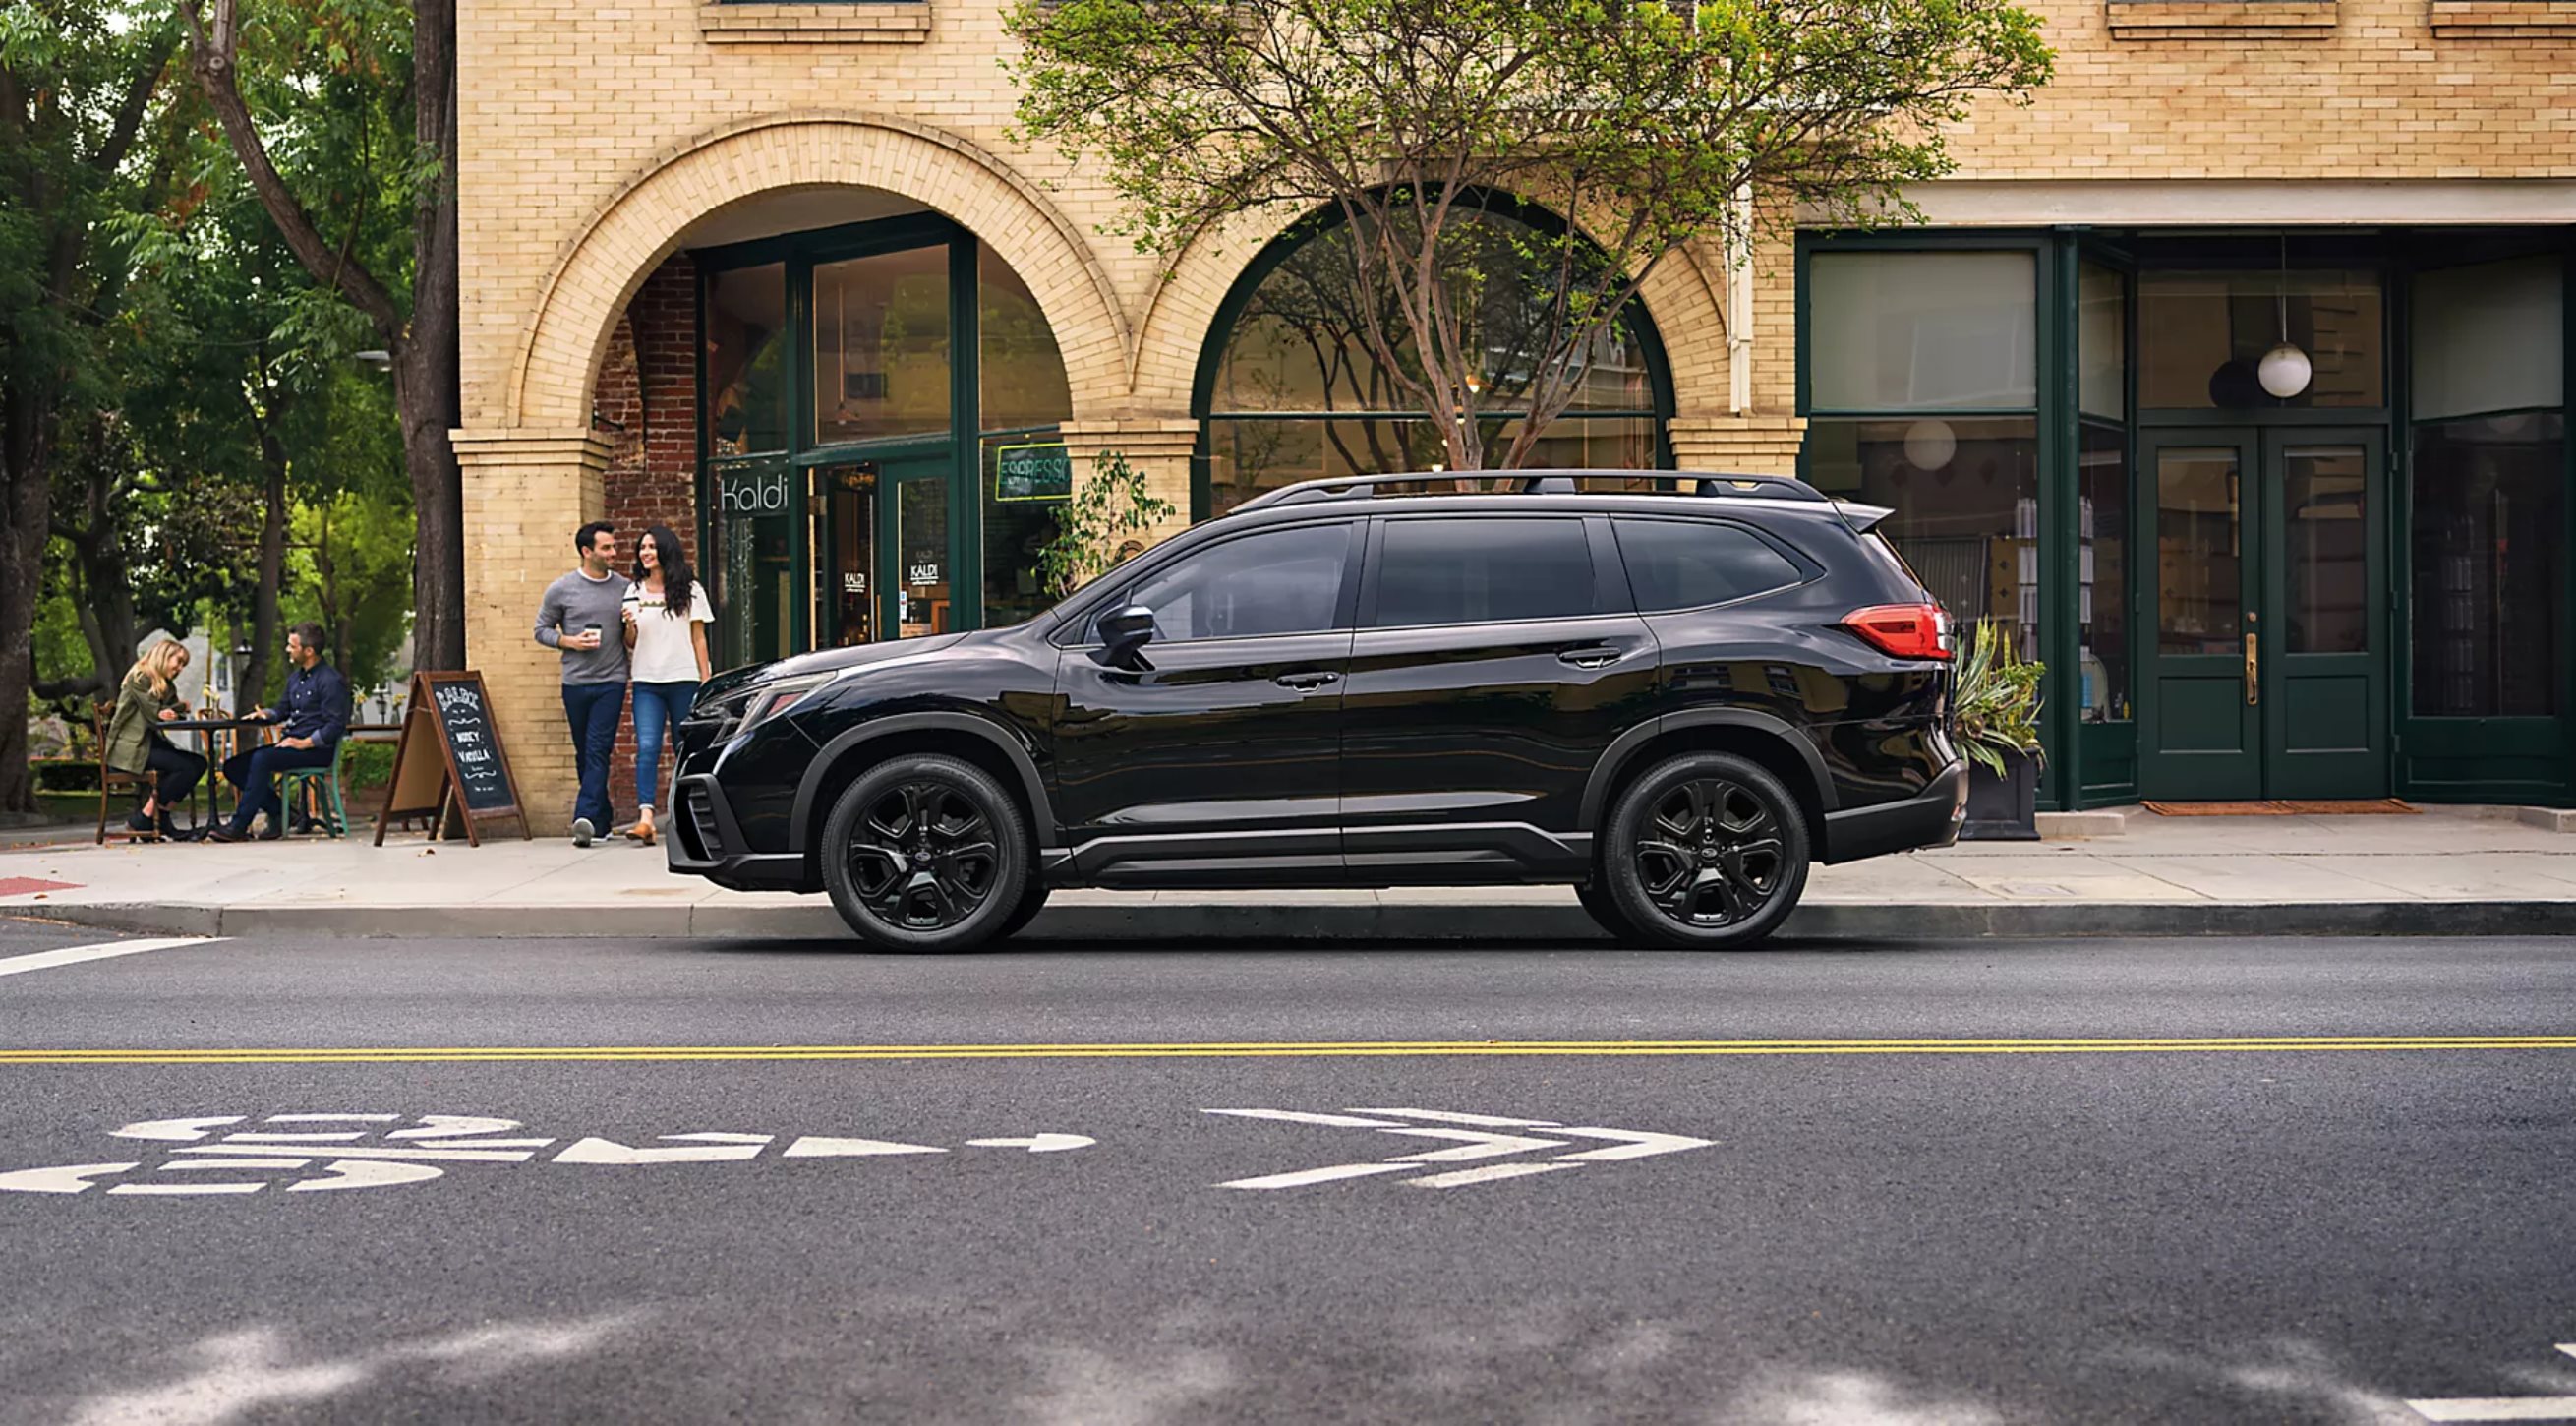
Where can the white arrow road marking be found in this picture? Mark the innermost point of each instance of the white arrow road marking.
(309, 1136)
(1303, 1177)
(69, 1178)
(74, 955)
(331, 1118)
(1487, 1174)
(177, 1165)
(2498, 1408)
(180, 1190)
(1475, 1144)
(1479, 1145)
(179, 1129)
(1443, 1116)
(1291, 1116)
(1638, 1145)
(454, 1126)
(713, 1148)
(364, 1173)
(814, 1146)
(372, 1151)
(1037, 1143)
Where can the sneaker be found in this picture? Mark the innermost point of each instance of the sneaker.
(582, 832)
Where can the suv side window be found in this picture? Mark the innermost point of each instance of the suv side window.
(1686, 564)
(1275, 582)
(1482, 571)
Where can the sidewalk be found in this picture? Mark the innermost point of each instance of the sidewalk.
(2445, 872)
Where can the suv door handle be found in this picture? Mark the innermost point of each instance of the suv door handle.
(1306, 682)
(1589, 658)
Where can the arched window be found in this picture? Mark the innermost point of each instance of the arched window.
(1288, 390)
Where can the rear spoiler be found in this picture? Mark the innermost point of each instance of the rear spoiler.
(1861, 517)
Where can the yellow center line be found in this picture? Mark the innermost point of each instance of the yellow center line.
(1292, 1049)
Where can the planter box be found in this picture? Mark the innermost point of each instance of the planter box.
(2003, 809)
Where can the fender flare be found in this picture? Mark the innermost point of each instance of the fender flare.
(1614, 761)
(1041, 811)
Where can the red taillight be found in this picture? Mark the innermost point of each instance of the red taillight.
(1907, 631)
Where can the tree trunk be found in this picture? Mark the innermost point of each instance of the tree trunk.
(22, 577)
(252, 691)
(426, 406)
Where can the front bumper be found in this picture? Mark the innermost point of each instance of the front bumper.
(1929, 819)
(705, 840)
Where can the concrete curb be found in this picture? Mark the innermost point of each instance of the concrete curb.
(1346, 921)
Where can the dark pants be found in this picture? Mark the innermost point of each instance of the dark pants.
(178, 769)
(254, 775)
(656, 704)
(592, 709)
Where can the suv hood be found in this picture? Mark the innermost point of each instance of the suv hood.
(835, 660)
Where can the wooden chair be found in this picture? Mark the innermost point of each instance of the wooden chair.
(112, 780)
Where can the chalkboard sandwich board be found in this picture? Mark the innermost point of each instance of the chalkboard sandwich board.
(449, 760)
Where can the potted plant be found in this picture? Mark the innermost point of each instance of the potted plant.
(1994, 708)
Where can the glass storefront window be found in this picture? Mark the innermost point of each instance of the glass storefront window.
(2202, 336)
(1020, 371)
(881, 346)
(2487, 338)
(2102, 536)
(746, 355)
(1249, 456)
(2200, 551)
(2489, 502)
(2102, 342)
(1966, 496)
(2324, 495)
(1922, 331)
(1015, 531)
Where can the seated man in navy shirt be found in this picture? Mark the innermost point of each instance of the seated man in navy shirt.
(314, 712)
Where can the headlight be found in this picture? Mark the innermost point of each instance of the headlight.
(771, 699)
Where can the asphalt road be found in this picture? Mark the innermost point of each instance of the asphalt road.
(1861, 1231)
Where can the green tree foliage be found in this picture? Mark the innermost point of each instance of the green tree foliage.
(1098, 523)
(1648, 124)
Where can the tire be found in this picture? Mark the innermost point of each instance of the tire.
(1032, 901)
(1706, 851)
(926, 853)
(1596, 900)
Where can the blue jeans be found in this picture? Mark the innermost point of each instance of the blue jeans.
(592, 709)
(656, 704)
(253, 775)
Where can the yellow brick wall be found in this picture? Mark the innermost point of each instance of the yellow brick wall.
(591, 135)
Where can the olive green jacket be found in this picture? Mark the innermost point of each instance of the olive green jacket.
(138, 712)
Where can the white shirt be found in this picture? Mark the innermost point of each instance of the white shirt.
(664, 650)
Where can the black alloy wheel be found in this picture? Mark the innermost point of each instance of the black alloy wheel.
(926, 853)
(1707, 851)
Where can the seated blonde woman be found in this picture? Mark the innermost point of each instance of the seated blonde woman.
(148, 698)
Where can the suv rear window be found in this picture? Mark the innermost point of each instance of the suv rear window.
(1684, 564)
(1482, 571)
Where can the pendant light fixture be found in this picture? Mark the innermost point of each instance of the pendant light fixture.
(2285, 370)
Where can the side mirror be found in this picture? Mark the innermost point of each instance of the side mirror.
(1122, 634)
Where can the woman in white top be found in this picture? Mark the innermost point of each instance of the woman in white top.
(666, 616)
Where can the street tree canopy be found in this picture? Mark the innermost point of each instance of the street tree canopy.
(1647, 124)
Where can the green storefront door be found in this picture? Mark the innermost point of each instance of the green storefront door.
(2268, 674)
(879, 534)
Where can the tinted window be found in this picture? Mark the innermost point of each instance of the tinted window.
(1482, 571)
(1675, 564)
(1278, 582)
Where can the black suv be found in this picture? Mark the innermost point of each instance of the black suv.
(1673, 698)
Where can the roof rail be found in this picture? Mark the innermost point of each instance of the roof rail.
(1552, 482)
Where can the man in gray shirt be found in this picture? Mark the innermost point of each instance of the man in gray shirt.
(579, 618)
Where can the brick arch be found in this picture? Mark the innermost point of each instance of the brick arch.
(600, 268)
(1683, 295)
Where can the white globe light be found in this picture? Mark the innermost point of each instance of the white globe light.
(2285, 371)
(1930, 444)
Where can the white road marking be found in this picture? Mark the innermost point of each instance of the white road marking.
(176, 1129)
(474, 1143)
(75, 955)
(815, 1146)
(372, 1151)
(455, 1126)
(1637, 1145)
(2568, 1347)
(177, 1165)
(1443, 1116)
(176, 1190)
(308, 1136)
(1490, 1172)
(1479, 1145)
(608, 1151)
(335, 1118)
(1303, 1177)
(2498, 1408)
(1037, 1143)
(67, 1178)
(365, 1174)
(1292, 1116)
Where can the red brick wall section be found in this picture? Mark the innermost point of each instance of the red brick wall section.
(646, 401)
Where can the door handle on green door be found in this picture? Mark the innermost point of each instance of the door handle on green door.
(2253, 673)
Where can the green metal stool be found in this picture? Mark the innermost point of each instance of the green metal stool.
(325, 782)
